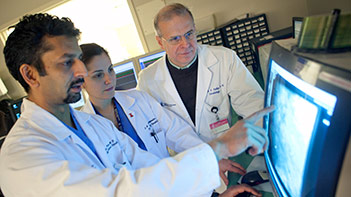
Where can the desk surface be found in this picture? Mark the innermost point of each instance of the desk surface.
(244, 160)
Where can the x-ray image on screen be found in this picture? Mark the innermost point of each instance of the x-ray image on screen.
(300, 110)
(292, 127)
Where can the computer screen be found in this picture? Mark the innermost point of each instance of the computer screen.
(126, 75)
(10, 112)
(300, 154)
(301, 109)
(149, 58)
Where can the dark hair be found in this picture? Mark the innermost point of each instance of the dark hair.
(90, 50)
(167, 13)
(25, 45)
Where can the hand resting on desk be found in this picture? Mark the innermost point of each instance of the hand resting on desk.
(231, 166)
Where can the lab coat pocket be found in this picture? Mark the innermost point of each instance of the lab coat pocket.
(155, 131)
(155, 137)
(218, 106)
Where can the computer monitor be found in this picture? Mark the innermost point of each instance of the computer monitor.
(126, 75)
(149, 58)
(310, 128)
(12, 108)
(10, 111)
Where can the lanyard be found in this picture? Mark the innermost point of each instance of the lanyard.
(119, 122)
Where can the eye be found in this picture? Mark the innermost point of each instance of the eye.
(175, 39)
(189, 35)
(98, 76)
(68, 63)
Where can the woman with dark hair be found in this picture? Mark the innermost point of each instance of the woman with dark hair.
(133, 112)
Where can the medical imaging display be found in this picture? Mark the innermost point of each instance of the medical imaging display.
(298, 114)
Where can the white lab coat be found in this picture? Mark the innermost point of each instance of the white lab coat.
(223, 81)
(41, 157)
(171, 130)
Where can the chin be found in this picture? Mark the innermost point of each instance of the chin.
(72, 98)
(107, 96)
(111, 94)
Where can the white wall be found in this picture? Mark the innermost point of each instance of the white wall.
(278, 12)
(316, 7)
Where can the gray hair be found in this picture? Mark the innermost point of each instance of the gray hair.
(168, 12)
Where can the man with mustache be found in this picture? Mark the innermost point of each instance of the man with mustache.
(54, 150)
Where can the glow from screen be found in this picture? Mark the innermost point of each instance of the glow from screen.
(323, 98)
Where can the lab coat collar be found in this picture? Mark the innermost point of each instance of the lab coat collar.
(164, 82)
(206, 61)
(126, 100)
(205, 73)
(128, 103)
(161, 74)
(206, 57)
(49, 122)
(122, 97)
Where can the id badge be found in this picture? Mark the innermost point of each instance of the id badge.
(219, 126)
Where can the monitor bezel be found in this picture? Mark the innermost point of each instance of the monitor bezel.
(294, 20)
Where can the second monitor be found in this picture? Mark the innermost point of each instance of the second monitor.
(126, 75)
(149, 58)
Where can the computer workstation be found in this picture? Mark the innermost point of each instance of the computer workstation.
(308, 131)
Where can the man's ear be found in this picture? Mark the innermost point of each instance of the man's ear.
(30, 75)
(159, 41)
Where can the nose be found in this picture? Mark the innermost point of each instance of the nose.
(184, 41)
(107, 79)
(80, 71)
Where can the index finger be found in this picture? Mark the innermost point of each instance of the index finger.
(253, 118)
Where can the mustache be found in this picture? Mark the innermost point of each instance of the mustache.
(80, 80)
